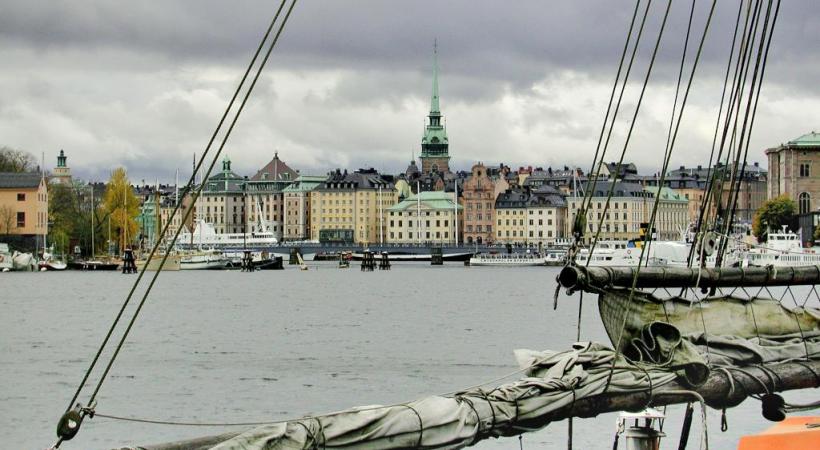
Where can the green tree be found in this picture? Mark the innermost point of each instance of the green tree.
(771, 215)
(122, 207)
(13, 160)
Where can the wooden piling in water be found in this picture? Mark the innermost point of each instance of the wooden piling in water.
(384, 262)
(436, 256)
(368, 262)
(294, 255)
(129, 265)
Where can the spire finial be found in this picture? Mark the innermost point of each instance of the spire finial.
(434, 106)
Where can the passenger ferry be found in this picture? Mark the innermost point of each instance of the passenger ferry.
(782, 249)
(205, 236)
(508, 259)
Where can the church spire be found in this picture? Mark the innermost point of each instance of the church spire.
(434, 106)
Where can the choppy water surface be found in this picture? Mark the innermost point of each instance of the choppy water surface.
(232, 346)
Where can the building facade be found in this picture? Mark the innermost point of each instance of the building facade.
(222, 201)
(629, 207)
(530, 218)
(351, 207)
(479, 192)
(794, 171)
(23, 204)
(297, 207)
(265, 190)
(425, 218)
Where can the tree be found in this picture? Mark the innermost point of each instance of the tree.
(773, 214)
(6, 219)
(121, 206)
(13, 160)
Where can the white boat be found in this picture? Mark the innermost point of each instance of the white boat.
(205, 235)
(204, 260)
(609, 254)
(49, 262)
(6, 264)
(782, 249)
(23, 262)
(508, 259)
(172, 263)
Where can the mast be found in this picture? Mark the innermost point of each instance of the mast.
(92, 221)
(455, 208)
(158, 230)
(418, 211)
(381, 217)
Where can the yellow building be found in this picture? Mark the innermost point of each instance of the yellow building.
(529, 218)
(351, 207)
(630, 206)
(23, 204)
(425, 218)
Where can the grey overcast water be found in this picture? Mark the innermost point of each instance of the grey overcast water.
(231, 346)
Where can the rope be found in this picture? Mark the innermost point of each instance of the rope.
(704, 211)
(196, 196)
(762, 68)
(176, 208)
(421, 425)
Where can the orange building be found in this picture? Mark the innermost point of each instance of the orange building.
(23, 204)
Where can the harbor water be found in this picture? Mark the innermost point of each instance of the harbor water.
(229, 346)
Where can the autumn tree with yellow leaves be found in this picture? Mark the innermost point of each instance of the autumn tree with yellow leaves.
(122, 207)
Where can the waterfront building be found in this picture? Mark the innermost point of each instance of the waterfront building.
(23, 204)
(794, 170)
(351, 207)
(61, 173)
(530, 218)
(479, 193)
(691, 183)
(266, 203)
(221, 202)
(149, 227)
(297, 207)
(629, 207)
(435, 154)
(425, 218)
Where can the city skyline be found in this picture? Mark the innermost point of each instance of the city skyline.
(339, 95)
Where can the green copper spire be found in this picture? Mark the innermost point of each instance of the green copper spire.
(434, 107)
(435, 155)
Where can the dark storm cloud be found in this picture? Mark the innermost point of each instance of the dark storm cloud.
(142, 83)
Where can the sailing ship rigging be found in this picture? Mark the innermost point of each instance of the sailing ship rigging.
(716, 337)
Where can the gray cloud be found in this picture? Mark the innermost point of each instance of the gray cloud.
(523, 82)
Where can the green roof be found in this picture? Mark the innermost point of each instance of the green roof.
(666, 193)
(435, 200)
(807, 140)
(305, 183)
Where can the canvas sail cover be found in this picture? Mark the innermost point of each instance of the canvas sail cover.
(663, 341)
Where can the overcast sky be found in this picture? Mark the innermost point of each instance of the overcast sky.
(142, 84)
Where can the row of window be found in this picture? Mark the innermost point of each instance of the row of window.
(521, 234)
(446, 223)
(425, 235)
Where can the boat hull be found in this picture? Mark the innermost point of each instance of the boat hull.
(416, 257)
(93, 265)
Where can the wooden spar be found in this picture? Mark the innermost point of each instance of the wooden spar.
(718, 391)
(591, 279)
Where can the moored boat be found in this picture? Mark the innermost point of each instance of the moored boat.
(204, 260)
(172, 263)
(508, 259)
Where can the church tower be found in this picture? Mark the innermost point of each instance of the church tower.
(62, 173)
(435, 156)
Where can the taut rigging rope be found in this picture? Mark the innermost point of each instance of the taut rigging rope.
(188, 211)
